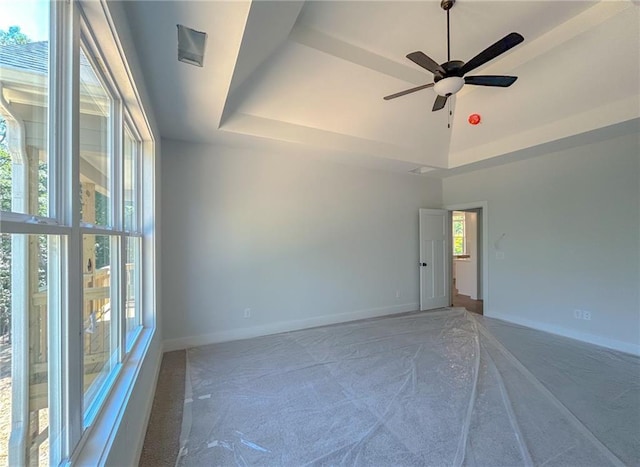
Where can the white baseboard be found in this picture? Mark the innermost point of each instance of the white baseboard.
(283, 326)
(627, 347)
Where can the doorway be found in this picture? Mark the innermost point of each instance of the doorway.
(468, 257)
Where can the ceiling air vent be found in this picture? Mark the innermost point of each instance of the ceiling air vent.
(191, 45)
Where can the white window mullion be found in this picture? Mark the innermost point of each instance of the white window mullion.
(117, 184)
(12, 226)
(118, 269)
(56, 302)
(123, 297)
(147, 228)
(58, 62)
(115, 335)
(73, 350)
(87, 229)
(139, 278)
(140, 186)
(61, 63)
(20, 349)
(137, 176)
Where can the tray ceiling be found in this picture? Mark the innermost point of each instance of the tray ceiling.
(310, 76)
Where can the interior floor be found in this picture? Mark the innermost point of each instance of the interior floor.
(430, 388)
(466, 302)
(162, 440)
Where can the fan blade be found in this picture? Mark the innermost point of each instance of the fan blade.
(491, 80)
(439, 103)
(408, 91)
(420, 58)
(507, 42)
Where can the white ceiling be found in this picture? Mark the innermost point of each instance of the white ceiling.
(309, 76)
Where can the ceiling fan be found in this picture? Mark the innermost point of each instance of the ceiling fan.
(449, 77)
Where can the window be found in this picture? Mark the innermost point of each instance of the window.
(100, 343)
(24, 351)
(459, 239)
(24, 108)
(73, 244)
(27, 261)
(96, 148)
(133, 239)
(132, 299)
(131, 184)
(99, 173)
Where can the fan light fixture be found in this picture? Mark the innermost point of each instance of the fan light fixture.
(448, 86)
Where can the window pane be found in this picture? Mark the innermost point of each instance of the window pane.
(458, 227)
(458, 246)
(24, 352)
(24, 76)
(95, 148)
(130, 182)
(100, 341)
(133, 317)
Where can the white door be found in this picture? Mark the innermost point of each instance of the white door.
(434, 258)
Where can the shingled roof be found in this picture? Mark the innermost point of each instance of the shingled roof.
(33, 56)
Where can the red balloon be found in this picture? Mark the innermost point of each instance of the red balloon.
(474, 119)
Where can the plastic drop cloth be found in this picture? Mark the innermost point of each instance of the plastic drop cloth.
(432, 388)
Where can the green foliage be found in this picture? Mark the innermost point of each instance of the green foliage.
(13, 36)
(458, 246)
(458, 228)
(458, 234)
(3, 130)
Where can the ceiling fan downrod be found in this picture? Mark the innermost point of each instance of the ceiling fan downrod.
(446, 5)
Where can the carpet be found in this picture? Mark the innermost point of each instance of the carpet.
(162, 440)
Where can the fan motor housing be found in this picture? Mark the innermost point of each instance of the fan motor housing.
(452, 67)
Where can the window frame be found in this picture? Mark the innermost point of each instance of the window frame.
(462, 214)
(112, 230)
(135, 232)
(96, 438)
(76, 434)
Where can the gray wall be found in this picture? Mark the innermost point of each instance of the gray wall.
(300, 242)
(571, 220)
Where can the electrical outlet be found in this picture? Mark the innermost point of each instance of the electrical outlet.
(586, 315)
(577, 314)
(247, 313)
(397, 294)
